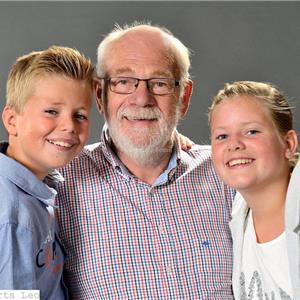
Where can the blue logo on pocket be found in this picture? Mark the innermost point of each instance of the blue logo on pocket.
(205, 243)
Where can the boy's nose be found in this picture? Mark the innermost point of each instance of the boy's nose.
(68, 124)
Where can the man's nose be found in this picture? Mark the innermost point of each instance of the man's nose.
(142, 95)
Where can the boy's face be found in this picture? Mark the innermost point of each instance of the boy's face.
(247, 150)
(53, 126)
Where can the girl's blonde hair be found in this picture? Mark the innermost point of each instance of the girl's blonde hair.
(273, 99)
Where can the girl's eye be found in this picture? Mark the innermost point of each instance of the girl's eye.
(51, 111)
(221, 137)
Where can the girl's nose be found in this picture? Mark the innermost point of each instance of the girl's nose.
(235, 145)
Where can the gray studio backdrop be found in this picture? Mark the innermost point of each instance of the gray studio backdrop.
(229, 41)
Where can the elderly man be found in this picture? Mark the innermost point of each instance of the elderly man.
(139, 217)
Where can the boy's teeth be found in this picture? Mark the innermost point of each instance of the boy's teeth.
(243, 161)
(60, 143)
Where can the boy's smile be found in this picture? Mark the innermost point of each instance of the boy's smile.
(64, 144)
(54, 124)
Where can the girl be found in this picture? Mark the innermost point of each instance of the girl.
(254, 151)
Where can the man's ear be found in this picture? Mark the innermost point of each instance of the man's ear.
(9, 120)
(291, 141)
(99, 94)
(187, 93)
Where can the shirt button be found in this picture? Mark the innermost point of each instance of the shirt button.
(161, 229)
(151, 191)
(169, 270)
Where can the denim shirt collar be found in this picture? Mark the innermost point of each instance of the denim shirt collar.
(26, 180)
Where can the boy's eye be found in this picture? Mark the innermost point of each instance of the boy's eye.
(80, 116)
(221, 137)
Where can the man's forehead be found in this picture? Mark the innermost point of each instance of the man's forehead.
(140, 53)
(132, 71)
(131, 59)
(140, 40)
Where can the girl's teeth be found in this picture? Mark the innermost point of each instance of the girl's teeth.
(239, 162)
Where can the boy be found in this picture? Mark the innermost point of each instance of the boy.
(47, 119)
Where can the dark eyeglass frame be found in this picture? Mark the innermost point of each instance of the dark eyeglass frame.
(108, 80)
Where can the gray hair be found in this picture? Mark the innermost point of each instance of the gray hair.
(178, 51)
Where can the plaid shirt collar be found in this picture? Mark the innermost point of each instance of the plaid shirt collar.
(116, 163)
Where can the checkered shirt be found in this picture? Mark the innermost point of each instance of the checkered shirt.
(129, 240)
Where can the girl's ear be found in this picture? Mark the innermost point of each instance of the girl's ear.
(291, 141)
(9, 120)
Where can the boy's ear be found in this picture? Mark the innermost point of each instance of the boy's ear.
(98, 94)
(9, 120)
(291, 141)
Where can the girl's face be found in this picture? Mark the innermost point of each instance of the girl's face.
(247, 150)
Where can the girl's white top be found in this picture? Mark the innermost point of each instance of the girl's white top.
(265, 270)
(284, 260)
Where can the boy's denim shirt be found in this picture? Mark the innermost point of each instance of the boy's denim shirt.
(31, 256)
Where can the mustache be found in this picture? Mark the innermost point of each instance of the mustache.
(144, 113)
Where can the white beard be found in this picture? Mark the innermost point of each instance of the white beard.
(145, 146)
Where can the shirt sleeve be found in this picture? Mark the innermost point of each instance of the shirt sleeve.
(17, 262)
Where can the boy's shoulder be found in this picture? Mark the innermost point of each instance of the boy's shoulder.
(11, 206)
(19, 208)
(8, 187)
(21, 191)
(9, 171)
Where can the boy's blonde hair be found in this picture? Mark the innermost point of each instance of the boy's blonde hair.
(274, 100)
(56, 60)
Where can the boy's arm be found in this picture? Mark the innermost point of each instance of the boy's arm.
(17, 263)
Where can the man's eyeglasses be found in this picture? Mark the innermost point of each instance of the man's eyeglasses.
(156, 86)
